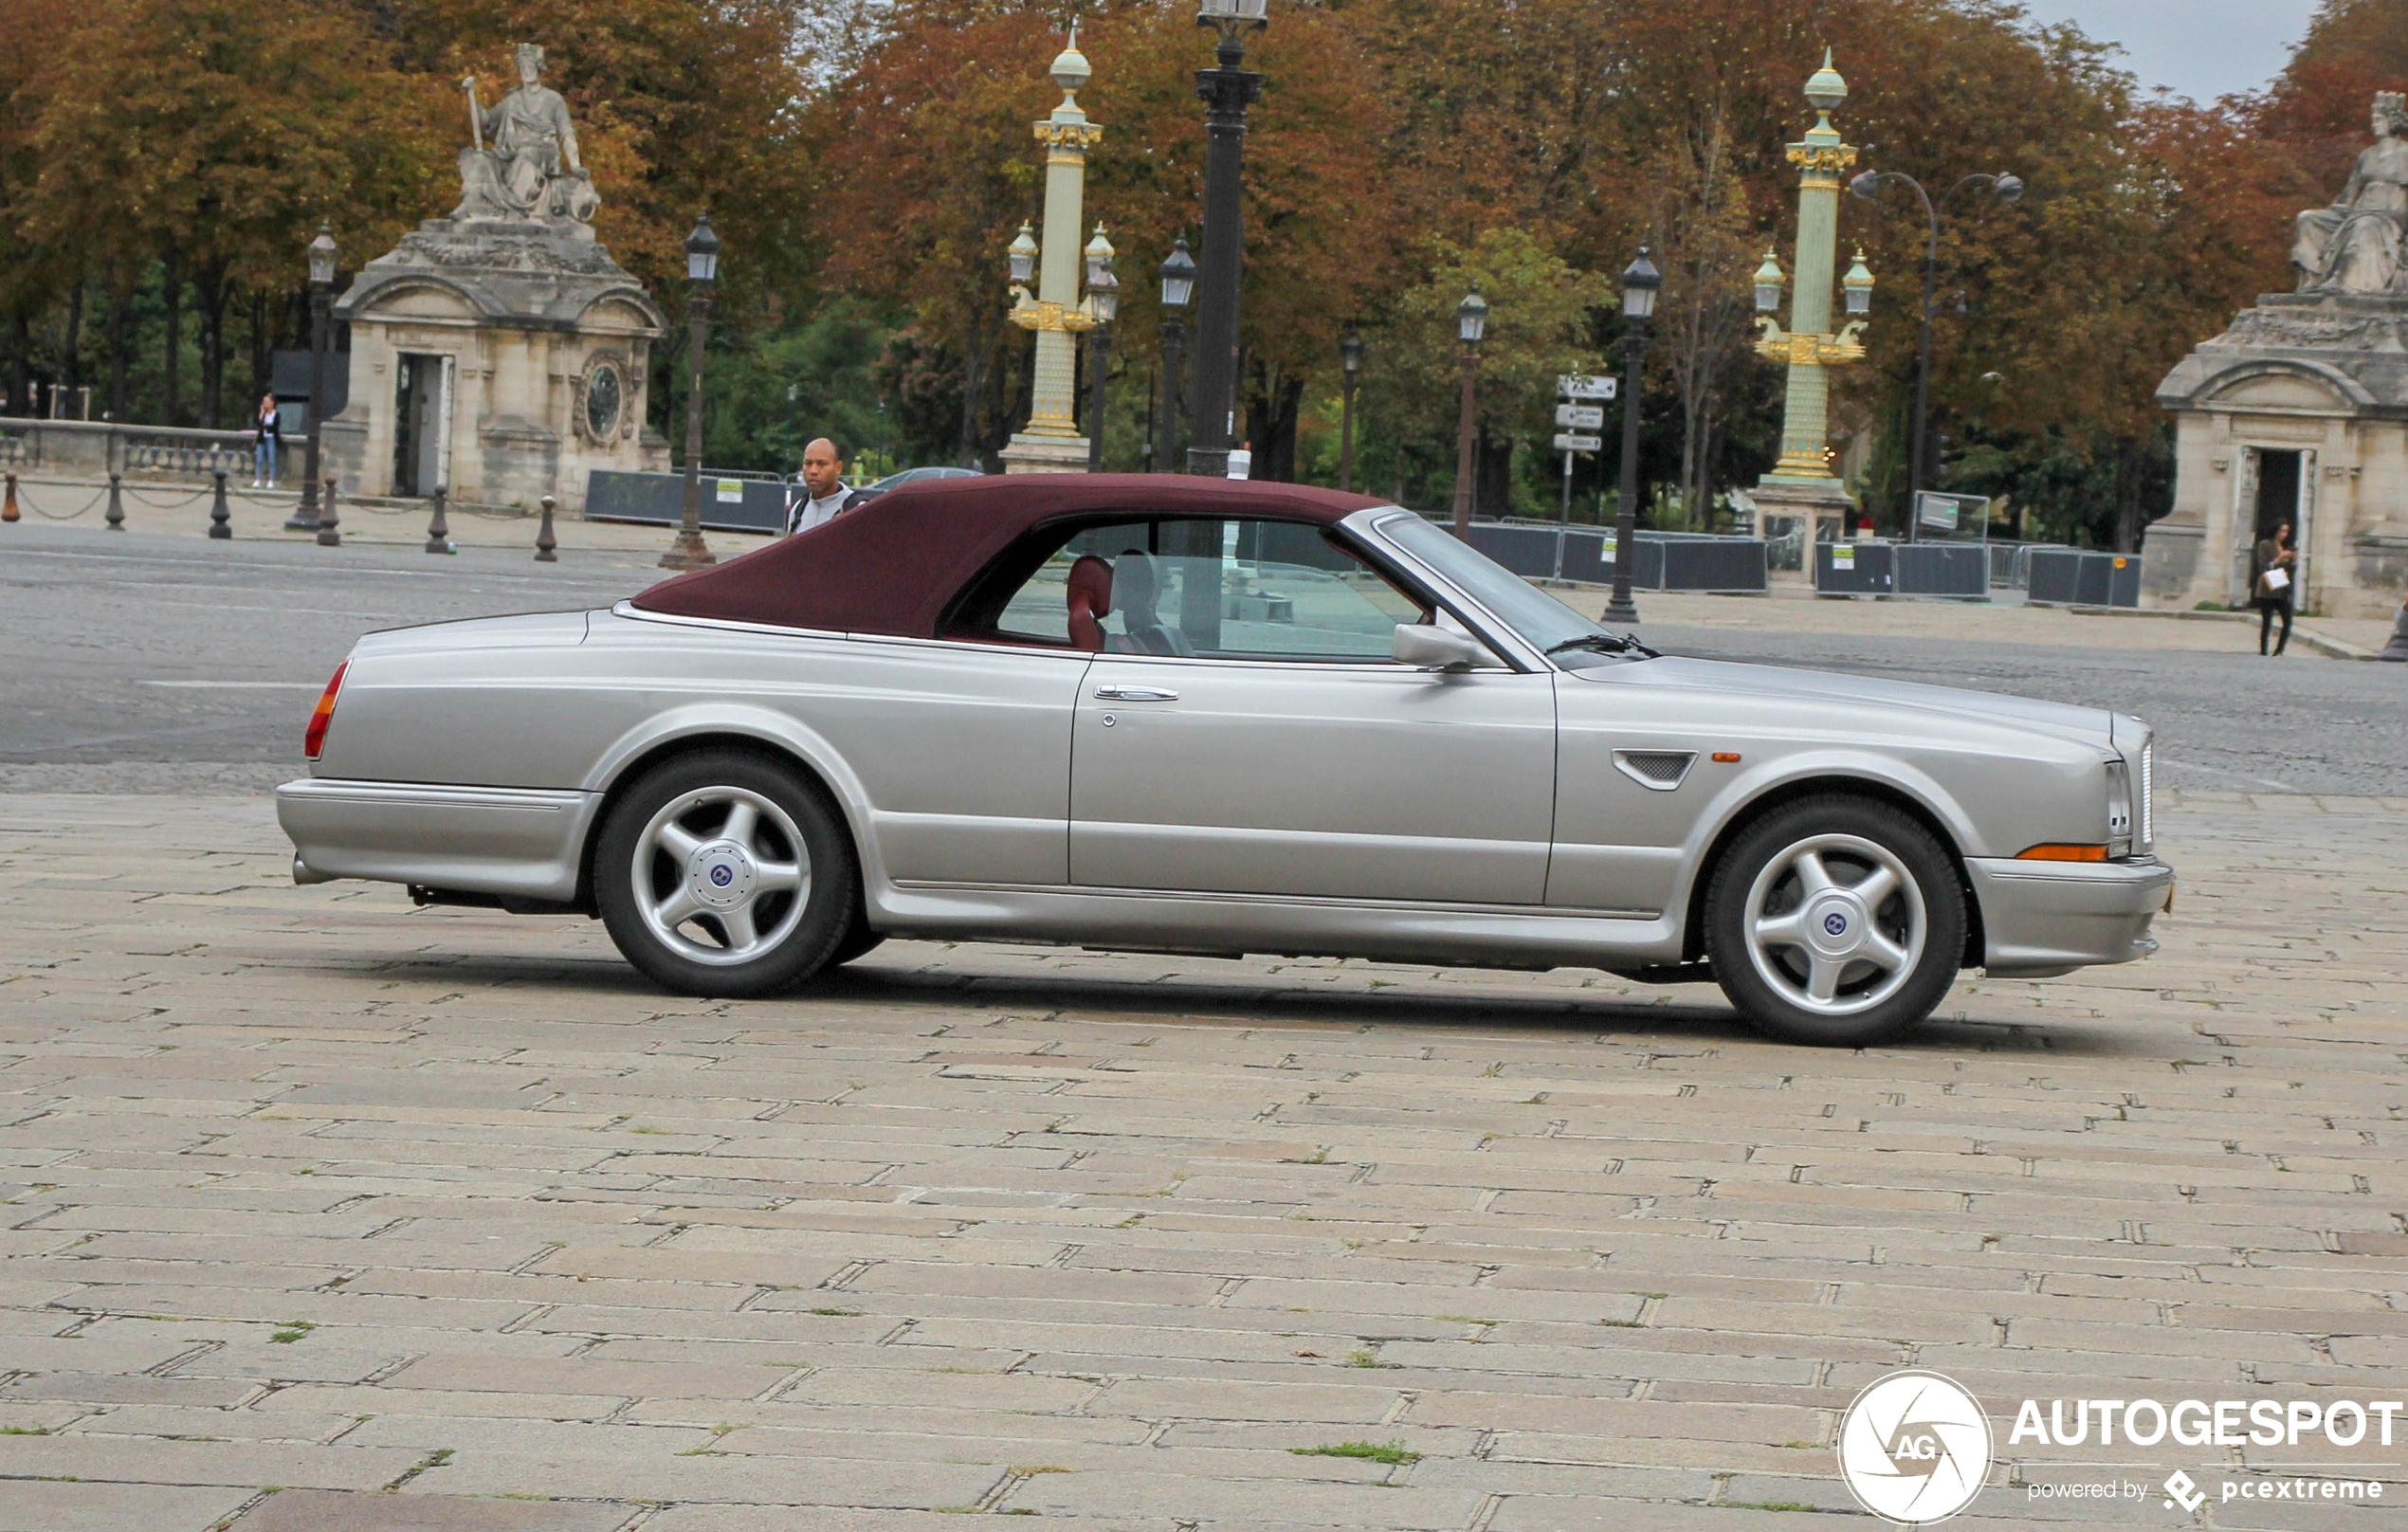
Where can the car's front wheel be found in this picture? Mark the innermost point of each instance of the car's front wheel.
(1834, 920)
(723, 873)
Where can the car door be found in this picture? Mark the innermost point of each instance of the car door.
(1246, 731)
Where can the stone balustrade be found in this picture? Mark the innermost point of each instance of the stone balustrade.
(78, 449)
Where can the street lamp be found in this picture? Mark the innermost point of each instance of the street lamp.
(2007, 188)
(1228, 91)
(1640, 283)
(1104, 304)
(701, 270)
(1471, 326)
(323, 255)
(1178, 286)
(1350, 365)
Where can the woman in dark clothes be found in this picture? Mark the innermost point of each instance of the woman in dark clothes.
(2277, 579)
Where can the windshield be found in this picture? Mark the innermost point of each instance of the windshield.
(1539, 617)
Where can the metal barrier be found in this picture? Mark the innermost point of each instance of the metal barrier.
(1853, 568)
(731, 501)
(1660, 560)
(2070, 578)
(1958, 571)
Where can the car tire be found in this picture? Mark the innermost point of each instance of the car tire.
(724, 873)
(1836, 920)
(859, 941)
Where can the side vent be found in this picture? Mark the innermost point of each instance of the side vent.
(1661, 770)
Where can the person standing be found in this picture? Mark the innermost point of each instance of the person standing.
(266, 427)
(823, 497)
(2276, 584)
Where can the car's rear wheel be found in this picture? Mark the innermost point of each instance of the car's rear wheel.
(723, 873)
(1837, 921)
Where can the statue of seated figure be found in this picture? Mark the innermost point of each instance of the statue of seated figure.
(524, 164)
(2354, 245)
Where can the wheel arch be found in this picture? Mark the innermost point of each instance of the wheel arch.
(1778, 796)
(670, 736)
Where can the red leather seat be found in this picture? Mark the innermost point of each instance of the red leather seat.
(1090, 599)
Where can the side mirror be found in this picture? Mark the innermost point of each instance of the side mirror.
(1427, 647)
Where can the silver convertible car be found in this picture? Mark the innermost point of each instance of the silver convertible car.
(1176, 715)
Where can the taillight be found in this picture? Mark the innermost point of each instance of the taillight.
(314, 742)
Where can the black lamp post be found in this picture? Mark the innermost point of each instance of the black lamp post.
(2008, 188)
(701, 270)
(1350, 364)
(1178, 286)
(1103, 305)
(1471, 325)
(1229, 90)
(1640, 281)
(322, 296)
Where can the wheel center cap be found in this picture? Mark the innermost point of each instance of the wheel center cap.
(1836, 924)
(720, 874)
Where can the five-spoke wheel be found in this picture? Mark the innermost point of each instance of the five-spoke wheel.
(1835, 919)
(723, 873)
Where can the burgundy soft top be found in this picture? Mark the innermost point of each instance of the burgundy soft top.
(892, 566)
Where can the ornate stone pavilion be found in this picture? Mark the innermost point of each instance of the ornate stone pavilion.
(2299, 413)
(499, 353)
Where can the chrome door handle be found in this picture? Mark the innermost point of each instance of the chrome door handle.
(1135, 694)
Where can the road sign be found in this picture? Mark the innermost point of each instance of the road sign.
(1580, 416)
(1566, 442)
(1583, 386)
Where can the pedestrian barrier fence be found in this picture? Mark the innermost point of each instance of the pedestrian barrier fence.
(1956, 571)
(1661, 560)
(737, 502)
(2073, 577)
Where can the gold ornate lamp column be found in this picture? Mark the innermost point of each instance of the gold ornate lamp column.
(1801, 483)
(1052, 444)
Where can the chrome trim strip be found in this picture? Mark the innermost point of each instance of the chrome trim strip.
(1280, 901)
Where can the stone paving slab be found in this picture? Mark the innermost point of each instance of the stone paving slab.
(323, 1212)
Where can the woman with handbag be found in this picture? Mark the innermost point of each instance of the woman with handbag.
(2277, 579)
(267, 436)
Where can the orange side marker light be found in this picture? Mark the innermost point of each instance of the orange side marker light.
(1728, 758)
(2060, 852)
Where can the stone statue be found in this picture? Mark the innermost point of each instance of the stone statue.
(524, 164)
(2354, 245)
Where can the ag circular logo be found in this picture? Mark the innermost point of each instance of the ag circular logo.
(1835, 924)
(1914, 1448)
(723, 875)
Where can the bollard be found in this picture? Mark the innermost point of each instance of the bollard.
(116, 518)
(221, 517)
(545, 543)
(439, 530)
(2398, 647)
(327, 535)
(9, 507)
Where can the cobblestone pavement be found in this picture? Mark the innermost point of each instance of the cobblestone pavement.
(441, 1220)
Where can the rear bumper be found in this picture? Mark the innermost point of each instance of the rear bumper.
(2044, 918)
(516, 842)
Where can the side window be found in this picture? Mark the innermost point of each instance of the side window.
(1215, 588)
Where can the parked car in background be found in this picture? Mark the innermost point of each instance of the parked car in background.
(1213, 716)
(912, 475)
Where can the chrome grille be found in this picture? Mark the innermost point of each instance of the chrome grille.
(1661, 770)
(2148, 817)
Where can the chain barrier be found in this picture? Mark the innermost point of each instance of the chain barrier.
(24, 498)
(192, 498)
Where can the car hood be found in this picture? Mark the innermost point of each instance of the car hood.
(2079, 725)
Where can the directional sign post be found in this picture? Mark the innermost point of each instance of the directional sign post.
(1576, 418)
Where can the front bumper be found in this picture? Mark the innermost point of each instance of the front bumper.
(2040, 918)
(509, 842)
